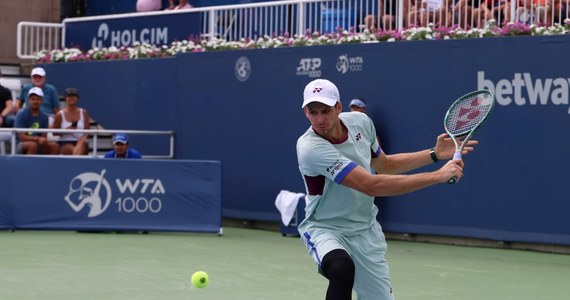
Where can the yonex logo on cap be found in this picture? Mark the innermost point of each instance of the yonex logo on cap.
(321, 90)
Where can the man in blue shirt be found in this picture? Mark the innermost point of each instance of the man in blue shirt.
(50, 104)
(121, 148)
(32, 117)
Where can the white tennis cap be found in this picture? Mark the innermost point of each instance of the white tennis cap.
(321, 90)
(357, 102)
(36, 91)
(39, 71)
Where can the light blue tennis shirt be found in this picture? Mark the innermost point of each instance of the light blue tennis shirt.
(324, 165)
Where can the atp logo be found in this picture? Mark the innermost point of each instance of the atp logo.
(242, 68)
(91, 190)
(310, 67)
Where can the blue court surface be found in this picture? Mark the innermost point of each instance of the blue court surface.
(255, 264)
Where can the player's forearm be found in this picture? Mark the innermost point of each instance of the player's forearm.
(389, 185)
(393, 185)
(405, 162)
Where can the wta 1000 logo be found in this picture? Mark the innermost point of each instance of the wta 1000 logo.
(92, 191)
(346, 63)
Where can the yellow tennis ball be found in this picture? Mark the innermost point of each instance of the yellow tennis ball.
(200, 279)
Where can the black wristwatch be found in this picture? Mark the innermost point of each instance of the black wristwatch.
(433, 156)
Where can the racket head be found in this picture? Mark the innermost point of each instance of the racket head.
(468, 113)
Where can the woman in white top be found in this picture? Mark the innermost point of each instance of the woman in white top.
(72, 117)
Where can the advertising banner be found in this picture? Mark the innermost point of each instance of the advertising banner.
(158, 29)
(5, 209)
(109, 194)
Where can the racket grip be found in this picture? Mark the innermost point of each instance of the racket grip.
(456, 155)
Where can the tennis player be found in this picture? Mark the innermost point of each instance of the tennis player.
(340, 228)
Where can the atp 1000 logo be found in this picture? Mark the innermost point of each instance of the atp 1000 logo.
(92, 190)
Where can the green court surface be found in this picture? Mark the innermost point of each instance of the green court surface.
(255, 264)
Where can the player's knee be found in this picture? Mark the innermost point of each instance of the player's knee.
(338, 266)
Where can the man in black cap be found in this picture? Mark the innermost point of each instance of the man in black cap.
(32, 117)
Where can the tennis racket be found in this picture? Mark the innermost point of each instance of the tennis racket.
(465, 116)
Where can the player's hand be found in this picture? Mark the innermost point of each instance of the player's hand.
(452, 169)
(445, 148)
(469, 146)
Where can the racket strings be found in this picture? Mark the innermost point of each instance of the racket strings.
(468, 113)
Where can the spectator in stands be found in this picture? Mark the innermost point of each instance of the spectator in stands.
(121, 148)
(498, 10)
(7, 112)
(543, 12)
(51, 103)
(531, 12)
(182, 4)
(72, 117)
(561, 11)
(387, 14)
(32, 117)
(358, 104)
(462, 13)
(149, 5)
(430, 11)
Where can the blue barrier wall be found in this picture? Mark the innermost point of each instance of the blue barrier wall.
(109, 194)
(243, 108)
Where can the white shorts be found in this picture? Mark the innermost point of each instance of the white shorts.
(366, 248)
